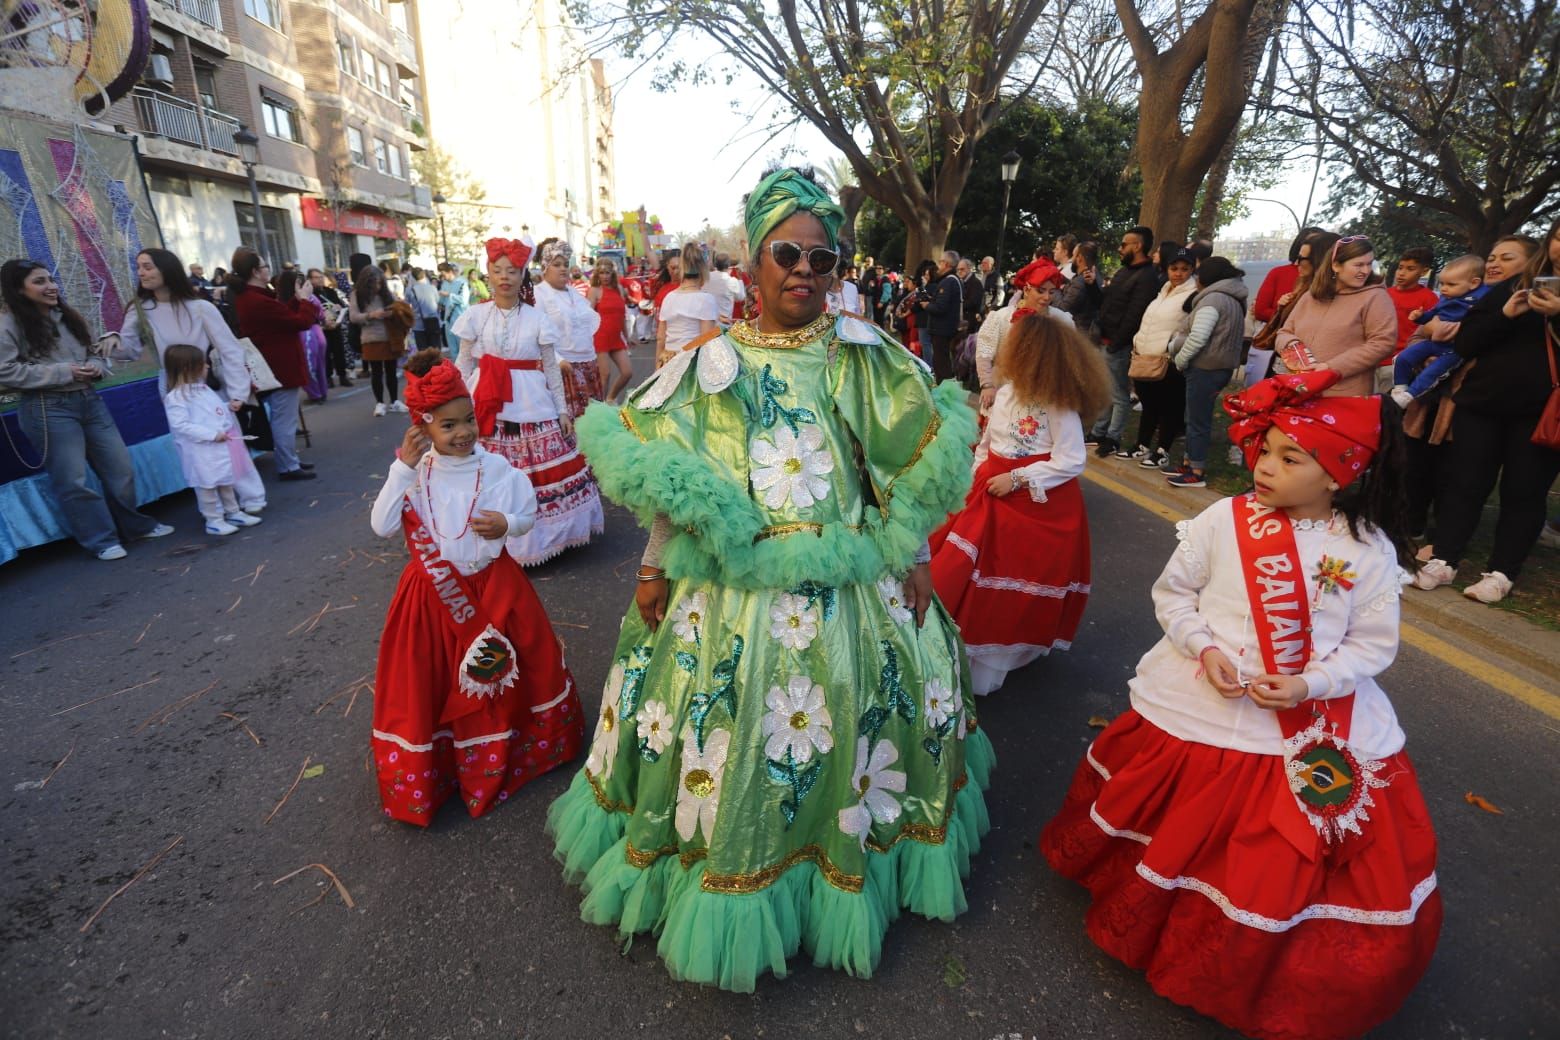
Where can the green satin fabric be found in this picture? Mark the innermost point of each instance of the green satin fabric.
(726, 655)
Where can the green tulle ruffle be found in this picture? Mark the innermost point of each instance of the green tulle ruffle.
(729, 940)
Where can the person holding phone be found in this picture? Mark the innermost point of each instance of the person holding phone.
(47, 355)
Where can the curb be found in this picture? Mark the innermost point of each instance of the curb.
(1489, 631)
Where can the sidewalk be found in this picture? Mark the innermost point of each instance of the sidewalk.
(1481, 630)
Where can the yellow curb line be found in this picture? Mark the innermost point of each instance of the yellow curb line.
(1486, 673)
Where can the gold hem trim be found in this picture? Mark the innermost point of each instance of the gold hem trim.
(747, 334)
(601, 796)
(629, 424)
(927, 436)
(776, 530)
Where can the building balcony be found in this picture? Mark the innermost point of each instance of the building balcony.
(205, 12)
(405, 54)
(173, 118)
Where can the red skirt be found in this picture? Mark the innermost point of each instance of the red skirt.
(582, 386)
(1013, 572)
(1193, 885)
(431, 738)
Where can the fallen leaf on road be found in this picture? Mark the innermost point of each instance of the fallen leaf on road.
(1483, 803)
(954, 974)
(1098, 721)
(313, 771)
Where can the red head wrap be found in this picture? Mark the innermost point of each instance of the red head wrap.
(518, 250)
(1341, 433)
(1038, 273)
(439, 386)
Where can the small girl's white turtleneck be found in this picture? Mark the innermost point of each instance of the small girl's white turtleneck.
(441, 488)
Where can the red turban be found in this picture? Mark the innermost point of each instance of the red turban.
(518, 250)
(439, 386)
(1038, 273)
(1341, 433)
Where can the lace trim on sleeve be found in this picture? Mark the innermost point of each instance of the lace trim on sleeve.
(1185, 546)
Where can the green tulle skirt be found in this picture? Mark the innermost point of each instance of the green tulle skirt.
(777, 771)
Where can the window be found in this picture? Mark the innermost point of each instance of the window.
(278, 232)
(386, 77)
(381, 156)
(168, 183)
(395, 160)
(369, 67)
(281, 118)
(206, 86)
(346, 59)
(355, 146)
(267, 11)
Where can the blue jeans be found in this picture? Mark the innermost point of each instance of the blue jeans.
(282, 406)
(1114, 422)
(1202, 390)
(73, 430)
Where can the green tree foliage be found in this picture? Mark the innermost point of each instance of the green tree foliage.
(465, 213)
(1071, 179)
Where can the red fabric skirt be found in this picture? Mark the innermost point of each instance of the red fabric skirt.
(582, 386)
(1013, 572)
(1193, 885)
(431, 738)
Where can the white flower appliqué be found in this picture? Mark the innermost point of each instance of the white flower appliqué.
(688, 618)
(698, 796)
(655, 726)
(797, 721)
(793, 621)
(892, 591)
(875, 782)
(603, 747)
(941, 703)
(792, 468)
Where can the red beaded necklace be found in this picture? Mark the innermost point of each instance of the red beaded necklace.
(470, 513)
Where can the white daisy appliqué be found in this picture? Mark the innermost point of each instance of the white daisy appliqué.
(793, 621)
(941, 703)
(603, 747)
(797, 721)
(792, 467)
(892, 592)
(698, 795)
(876, 784)
(655, 726)
(688, 618)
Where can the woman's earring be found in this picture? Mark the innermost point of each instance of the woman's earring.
(1332, 485)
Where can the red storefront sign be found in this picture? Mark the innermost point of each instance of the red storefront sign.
(323, 217)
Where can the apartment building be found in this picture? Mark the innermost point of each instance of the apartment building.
(331, 89)
(535, 126)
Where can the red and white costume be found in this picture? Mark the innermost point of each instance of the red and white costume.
(510, 363)
(471, 691)
(1272, 869)
(576, 322)
(1014, 571)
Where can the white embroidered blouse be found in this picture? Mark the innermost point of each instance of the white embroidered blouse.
(441, 487)
(1018, 431)
(576, 320)
(524, 333)
(1200, 601)
(992, 331)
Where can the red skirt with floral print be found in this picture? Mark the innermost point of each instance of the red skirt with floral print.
(431, 739)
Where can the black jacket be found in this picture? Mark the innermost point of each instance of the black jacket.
(974, 300)
(1512, 374)
(947, 307)
(1126, 298)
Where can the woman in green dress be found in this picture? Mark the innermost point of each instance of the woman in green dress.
(786, 753)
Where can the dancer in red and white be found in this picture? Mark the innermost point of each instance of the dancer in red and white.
(576, 322)
(1251, 830)
(508, 354)
(1013, 568)
(471, 693)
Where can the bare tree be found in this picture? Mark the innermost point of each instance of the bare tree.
(1093, 60)
(900, 87)
(1446, 110)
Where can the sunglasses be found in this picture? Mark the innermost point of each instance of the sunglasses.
(788, 254)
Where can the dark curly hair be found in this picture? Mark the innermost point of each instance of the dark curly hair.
(1379, 499)
(38, 331)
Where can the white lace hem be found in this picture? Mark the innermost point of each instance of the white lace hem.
(1031, 588)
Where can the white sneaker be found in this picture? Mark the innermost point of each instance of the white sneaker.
(160, 531)
(1492, 587)
(242, 519)
(113, 552)
(1402, 397)
(397, 406)
(379, 409)
(220, 527)
(252, 508)
(1434, 574)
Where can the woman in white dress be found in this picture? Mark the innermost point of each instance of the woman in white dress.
(688, 312)
(508, 356)
(577, 322)
(167, 310)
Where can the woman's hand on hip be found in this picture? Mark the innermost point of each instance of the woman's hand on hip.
(651, 598)
(919, 591)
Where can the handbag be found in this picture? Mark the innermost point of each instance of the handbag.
(1148, 368)
(261, 378)
(1547, 433)
(255, 425)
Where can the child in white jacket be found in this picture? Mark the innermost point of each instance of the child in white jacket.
(207, 438)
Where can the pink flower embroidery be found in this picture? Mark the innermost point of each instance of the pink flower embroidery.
(1028, 426)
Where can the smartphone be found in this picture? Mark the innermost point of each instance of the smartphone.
(1549, 285)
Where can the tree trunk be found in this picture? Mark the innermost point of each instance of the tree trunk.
(925, 238)
(851, 199)
(1213, 190)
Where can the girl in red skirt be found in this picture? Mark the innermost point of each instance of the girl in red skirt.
(1013, 569)
(471, 691)
(1251, 831)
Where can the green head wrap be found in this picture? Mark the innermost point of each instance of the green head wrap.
(782, 194)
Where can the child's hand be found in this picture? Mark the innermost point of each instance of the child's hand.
(219, 436)
(1277, 692)
(1220, 672)
(1283, 301)
(490, 525)
(413, 446)
(1000, 485)
(1414, 314)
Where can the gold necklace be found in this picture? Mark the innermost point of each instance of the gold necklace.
(746, 333)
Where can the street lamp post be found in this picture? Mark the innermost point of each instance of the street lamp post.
(1009, 175)
(1299, 225)
(249, 154)
(438, 205)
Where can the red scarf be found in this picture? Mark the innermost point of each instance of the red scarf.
(1341, 433)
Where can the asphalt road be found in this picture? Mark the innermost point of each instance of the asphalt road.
(466, 929)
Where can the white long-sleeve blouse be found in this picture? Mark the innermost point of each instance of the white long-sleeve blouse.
(524, 333)
(195, 322)
(441, 487)
(1015, 430)
(1200, 600)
